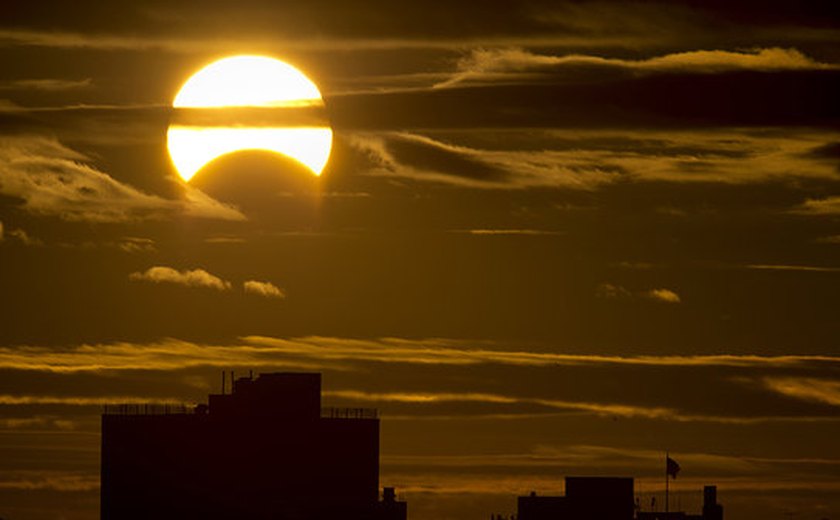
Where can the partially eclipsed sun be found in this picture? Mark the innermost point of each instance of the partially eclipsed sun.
(248, 103)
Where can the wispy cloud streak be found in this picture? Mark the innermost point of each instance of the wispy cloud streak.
(318, 351)
(54, 180)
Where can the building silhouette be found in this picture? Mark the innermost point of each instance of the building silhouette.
(266, 450)
(711, 509)
(605, 498)
(587, 498)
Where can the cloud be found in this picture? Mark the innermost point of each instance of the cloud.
(663, 295)
(136, 245)
(73, 400)
(49, 480)
(315, 352)
(601, 409)
(608, 409)
(800, 268)
(53, 180)
(18, 234)
(826, 206)
(49, 85)
(806, 388)
(266, 289)
(513, 64)
(38, 421)
(593, 159)
(584, 455)
(190, 278)
(830, 239)
(508, 232)
(610, 291)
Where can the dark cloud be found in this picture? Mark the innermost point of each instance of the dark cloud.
(739, 98)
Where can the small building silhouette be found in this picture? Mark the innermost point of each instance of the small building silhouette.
(605, 498)
(267, 450)
(587, 498)
(711, 509)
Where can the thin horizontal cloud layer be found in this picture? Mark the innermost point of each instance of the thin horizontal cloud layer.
(610, 291)
(52, 180)
(261, 351)
(72, 481)
(794, 268)
(828, 206)
(610, 410)
(516, 64)
(591, 159)
(735, 389)
(189, 278)
(49, 85)
(806, 388)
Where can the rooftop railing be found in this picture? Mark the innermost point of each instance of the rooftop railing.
(148, 409)
(349, 413)
(330, 412)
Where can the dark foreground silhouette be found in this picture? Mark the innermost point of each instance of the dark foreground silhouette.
(605, 498)
(267, 450)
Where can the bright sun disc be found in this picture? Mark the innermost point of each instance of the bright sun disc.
(255, 82)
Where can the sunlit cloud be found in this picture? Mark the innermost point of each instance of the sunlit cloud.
(136, 245)
(18, 235)
(610, 291)
(600, 409)
(54, 180)
(800, 268)
(219, 44)
(190, 278)
(47, 84)
(508, 232)
(265, 289)
(512, 64)
(826, 206)
(70, 400)
(320, 352)
(663, 295)
(460, 352)
(49, 480)
(38, 421)
(806, 388)
(584, 455)
(580, 159)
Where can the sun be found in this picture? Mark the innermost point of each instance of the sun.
(248, 103)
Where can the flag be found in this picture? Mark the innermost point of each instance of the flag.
(671, 467)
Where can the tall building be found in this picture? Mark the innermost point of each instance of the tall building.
(266, 450)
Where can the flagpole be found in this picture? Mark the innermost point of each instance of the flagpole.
(666, 482)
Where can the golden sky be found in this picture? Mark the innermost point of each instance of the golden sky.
(552, 238)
